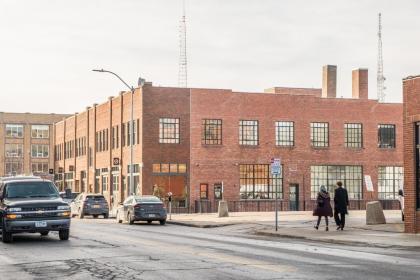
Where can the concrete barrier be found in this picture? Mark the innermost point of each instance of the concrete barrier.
(374, 213)
(223, 209)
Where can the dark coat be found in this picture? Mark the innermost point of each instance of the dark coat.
(323, 205)
(341, 200)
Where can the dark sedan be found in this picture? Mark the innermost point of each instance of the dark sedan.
(142, 208)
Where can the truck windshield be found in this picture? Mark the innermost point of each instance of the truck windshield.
(30, 189)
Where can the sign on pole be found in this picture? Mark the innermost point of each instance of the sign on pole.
(369, 184)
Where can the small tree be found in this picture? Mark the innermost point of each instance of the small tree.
(159, 191)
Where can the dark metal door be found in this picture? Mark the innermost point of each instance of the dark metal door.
(294, 197)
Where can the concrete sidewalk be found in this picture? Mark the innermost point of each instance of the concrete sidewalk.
(301, 225)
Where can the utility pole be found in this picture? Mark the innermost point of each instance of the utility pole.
(182, 71)
(380, 74)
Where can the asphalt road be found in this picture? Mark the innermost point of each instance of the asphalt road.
(103, 249)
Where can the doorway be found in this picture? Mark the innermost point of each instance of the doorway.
(294, 197)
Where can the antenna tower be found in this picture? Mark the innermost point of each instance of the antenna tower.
(380, 74)
(182, 71)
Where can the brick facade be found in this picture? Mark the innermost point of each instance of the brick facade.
(411, 101)
(27, 120)
(213, 164)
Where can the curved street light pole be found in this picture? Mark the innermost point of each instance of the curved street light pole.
(131, 185)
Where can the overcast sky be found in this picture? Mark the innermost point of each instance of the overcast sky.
(48, 47)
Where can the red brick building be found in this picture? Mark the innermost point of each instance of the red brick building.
(202, 144)
(411, 118)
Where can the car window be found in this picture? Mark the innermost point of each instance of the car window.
(30, 189)
(96, 198)
(147, 199)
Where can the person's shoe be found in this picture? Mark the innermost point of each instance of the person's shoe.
(326, 229)
(316, 227)
(342, 228)
(339, 227)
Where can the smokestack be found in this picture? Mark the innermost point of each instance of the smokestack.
(360, 83)
(329, 81)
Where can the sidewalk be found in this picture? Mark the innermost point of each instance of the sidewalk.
(300, 225)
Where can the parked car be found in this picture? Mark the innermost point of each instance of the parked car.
(68, 197)
(89, 205)
(141, 208)
(32, 204)
(401, 199)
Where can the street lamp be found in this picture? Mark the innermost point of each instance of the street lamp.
(140, 83)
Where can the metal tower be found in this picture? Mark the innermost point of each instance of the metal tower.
(380, 74)
(182, 71)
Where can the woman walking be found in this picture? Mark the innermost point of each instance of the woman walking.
(323, 207)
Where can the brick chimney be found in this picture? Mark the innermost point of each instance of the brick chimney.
(329, 81)
(360, 83)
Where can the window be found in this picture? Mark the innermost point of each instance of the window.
(319, 134)
(218, 191)
(14, 130)
(40, 151)
(285, 134)
(176, 168)
(353, 135)
(13, 168)
(212, 132)
(39, 167)
(40, 131)
(386, 136)
(115, 182)
(248, 133)
(390, 180)
(168, 130)
(257, 182)
(104, 183)
(204, 191)
(329, 175)
(13, 150)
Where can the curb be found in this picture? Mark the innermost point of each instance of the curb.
(333, 241)
(187, 224)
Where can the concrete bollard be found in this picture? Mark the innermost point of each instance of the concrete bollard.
(374, 213)
(223, 209)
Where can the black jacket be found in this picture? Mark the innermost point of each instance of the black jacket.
(341, 200)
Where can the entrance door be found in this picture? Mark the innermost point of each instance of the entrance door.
(294, 197)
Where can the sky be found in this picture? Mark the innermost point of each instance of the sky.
(49, 47)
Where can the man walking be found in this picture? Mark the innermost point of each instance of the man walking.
(341, 201)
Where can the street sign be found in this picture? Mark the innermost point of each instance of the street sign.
(369, 184)
(116, 161)
(51, 171)
(275, 166)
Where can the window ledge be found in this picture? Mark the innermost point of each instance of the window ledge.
(320, 148)
(212, 145)
(249, 146)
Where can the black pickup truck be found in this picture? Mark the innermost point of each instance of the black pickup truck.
(32, 204)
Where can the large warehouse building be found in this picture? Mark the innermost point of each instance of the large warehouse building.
(208, 144)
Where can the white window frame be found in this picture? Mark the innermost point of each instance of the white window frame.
(14, 130)
(40, 131)
(39, 151)
(17, 147)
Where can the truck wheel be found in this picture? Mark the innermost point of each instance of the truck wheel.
(64, 234)
(95, 216)
(162, 222)
(106, 216)
(7, 237)
(44, 233)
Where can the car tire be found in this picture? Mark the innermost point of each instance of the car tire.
(162, 222)
(106, 216)
(44, 233)
(130, 219)
(149, 222)
(64, 234)
(95, 216)
(6, 237)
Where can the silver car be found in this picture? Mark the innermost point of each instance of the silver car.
(141, 208)
(89, 205)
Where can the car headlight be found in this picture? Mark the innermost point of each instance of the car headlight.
(63, 207)
(14, 209)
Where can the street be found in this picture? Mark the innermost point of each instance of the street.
(103, 249)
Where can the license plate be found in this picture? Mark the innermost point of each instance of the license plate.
(41, 224)
(152, 215)
(96, 206)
